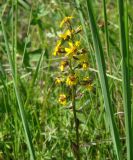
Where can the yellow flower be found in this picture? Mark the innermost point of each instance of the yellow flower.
(67, 34)
(62, 99)
(63, 65)
(85, 65)
(73, 48)
(58, 80)
(71, 80)
(65, 20)
(57, 49)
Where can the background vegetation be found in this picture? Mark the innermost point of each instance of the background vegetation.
(32, 123)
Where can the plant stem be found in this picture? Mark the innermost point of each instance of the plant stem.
(77, 152)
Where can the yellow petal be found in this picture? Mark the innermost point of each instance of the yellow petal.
(67, 50)
(62, 68)
(70, 44)
(54, 53)
(59, 43)
(77, 43)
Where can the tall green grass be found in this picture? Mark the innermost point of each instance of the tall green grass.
(103, 80)
(124, 45)
(12, 62)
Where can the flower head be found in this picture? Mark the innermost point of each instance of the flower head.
(73, 48)
(63, 64)
(58, 80)
(71, 80)
(62, 99)
(65, 20)
(68, 34)
(85, 65)
(57, 49)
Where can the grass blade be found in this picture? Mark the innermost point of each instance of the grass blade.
(21, 109)
(125, 73)
(82, 20)
(106, 32)
(103, 81)
(34, 77)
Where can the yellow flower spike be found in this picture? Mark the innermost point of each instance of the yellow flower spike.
(62, 99)
(65, 20)
(72, 50)
(63, 64)
(67, 34)
(57, 48)
(71, 80)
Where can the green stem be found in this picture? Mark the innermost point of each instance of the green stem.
(77, 151)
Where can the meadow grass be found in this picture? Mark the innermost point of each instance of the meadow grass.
(95, 124)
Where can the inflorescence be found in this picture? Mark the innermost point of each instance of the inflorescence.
(73, 57)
